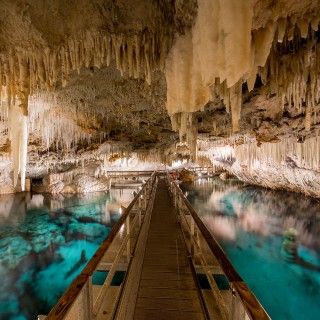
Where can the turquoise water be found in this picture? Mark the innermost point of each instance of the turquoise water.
(45, 242)
(254, 225)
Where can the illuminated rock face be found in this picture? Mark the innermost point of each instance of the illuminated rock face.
(75, 75)
(287, 164)
(222, 52)
(218, 47)
(59, 41)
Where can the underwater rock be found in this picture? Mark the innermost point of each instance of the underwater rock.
(290, 244)
(12, 250)
(83, 259)
(87, 220)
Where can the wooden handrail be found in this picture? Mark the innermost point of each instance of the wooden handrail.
(147, 172)
(59, 311)
(252, 305)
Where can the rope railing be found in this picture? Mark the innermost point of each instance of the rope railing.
(78, 301)
(205, 252)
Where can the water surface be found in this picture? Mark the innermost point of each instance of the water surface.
(45, 242)
(271, 237)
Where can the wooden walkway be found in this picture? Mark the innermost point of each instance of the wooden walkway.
(167, 288)
(149, 243)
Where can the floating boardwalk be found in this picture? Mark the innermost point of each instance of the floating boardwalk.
(159, 262)
(167, 289)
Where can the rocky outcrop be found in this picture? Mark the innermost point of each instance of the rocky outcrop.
(280, 177)
(267, 165)
(73, 182)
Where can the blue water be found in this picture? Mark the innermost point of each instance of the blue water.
(42, 240)
(250, 224)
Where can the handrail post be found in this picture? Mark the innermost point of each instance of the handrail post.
(139, 216)
(174, 197)
(140, 210)
(193, 249)
(145, 198)
(85, 302)
(198, 240)
(147, 190)
(128, 234)
(140, 203)
(180, 204)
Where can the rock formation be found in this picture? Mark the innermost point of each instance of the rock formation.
(235, 75)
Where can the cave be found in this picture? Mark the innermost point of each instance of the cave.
(203, 111)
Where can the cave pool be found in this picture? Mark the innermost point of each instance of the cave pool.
(252, 225)
(46, 241)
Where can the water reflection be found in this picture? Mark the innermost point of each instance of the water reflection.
(272, 238)
(45, 242)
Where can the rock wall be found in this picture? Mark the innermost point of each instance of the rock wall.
(73, 183)
(269, 165)
(120, 72)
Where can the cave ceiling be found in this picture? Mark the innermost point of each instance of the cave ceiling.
(127, 71)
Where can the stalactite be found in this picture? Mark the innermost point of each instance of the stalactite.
(236, 102)
(24, 73)
(15, 92)
(43, 69)
(287, 152)
(222, 52)
(308, 118)
(19, 143)
(212, 50)
(185, 124)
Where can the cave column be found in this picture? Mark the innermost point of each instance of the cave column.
(19, 123)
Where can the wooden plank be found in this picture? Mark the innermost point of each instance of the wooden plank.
(150, 274)
(172, 263)
(148, 303)
(178, 294)
(186, 283)
(144, 314)
(166, 282)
